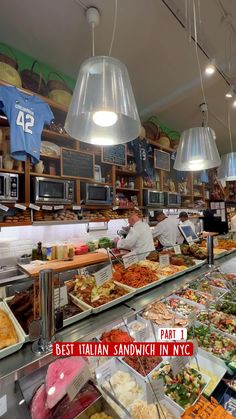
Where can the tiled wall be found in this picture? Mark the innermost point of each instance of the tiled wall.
(16, 241)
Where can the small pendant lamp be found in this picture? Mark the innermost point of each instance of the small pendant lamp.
(227, 169)
(197, 149)
(103, 109)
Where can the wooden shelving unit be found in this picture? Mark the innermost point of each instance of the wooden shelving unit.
(112, 172)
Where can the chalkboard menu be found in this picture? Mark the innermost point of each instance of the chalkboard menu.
(77, 164)
(161, 160)
(115, 154)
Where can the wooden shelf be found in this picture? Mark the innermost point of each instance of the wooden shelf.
(23, 224)
(128, 189)
(126, 171)
(186, 195)
(46, 175)
(12, 171)
(198, 196)
(44, 156)
(47, 133)
(50, 102)
(161, 147)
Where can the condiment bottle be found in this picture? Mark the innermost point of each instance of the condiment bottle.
(39, 251)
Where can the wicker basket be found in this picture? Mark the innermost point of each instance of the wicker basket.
(8, 68)
(54, 84)
(34, 81)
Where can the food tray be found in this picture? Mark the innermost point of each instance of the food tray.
(213, 364)
(103, 307)
(145, 287)
(99, 405)
(86, 312)
(130, 294)
(197, 306)
(26, 336)
(144, 378)
(21, 336)
(215, 327)
(207, 380)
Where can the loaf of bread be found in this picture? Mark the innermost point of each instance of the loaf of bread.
(8, 334)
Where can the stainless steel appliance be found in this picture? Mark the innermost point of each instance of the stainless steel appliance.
(172, 199)
(9, 187)
(51, 190)
(93, 194)
(153, 198)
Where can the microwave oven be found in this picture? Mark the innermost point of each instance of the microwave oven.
(153, 198)
(57, 191)
(172, 199)
(9, 187)
(93, 194)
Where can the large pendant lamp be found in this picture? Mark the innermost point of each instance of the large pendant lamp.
(197, 150)
(227, 169)
(103, 109)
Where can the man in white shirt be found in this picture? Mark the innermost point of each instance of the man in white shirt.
(184, 220)
(139, 238)
(166, 229)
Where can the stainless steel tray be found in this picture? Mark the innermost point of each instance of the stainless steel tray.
(19, 331)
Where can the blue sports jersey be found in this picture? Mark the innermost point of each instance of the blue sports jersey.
(26, 115)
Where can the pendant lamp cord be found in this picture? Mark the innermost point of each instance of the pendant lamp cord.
(93, 41)
(229, 127)
(114, 27)
(197, 56)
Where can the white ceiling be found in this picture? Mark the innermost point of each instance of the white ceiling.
(149, 40)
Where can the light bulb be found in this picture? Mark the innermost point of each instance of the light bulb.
(229, 94)
(210, 68)
(234, 103)
(105, 118)
(196, 164)
(102, 141)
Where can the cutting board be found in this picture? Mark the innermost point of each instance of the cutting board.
(80, 261)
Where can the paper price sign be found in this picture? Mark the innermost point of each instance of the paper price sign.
(142, 335)
(3, 405)
(158, 388)
(215, 292)
(105, 371)
(34, 207)
(177, 249)
(58, 207)
(76, 207)
(164, 260)
(60, 297)
(79, 381)
(115, 208)
(103, 275)
(192, 318)
(4, 208)
(130, 259)
(47, 207)
(207, 305)
(178, 363)
(22, 207)
(215, 241)
(195, 346)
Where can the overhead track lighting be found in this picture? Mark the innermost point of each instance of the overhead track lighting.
(210, 68)
(230, 93)
(103, 109)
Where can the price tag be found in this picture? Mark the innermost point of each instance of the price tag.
(105, 371)
(115, 208)
(136, 208)
(158, 388)
(215, 292)
(22, 207)
(47, 207)
(142, 335)
(177, 250)
(129, 259)
(79, 381)
(4, 208)
(3, 405)
(58, 207)
(192, 318)
(103, 275)
(34, 207)
(195, 347)
(215, 241)
(62, 300)
(164, 260)
(76, 207)
(178, 363)
(207, 305)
